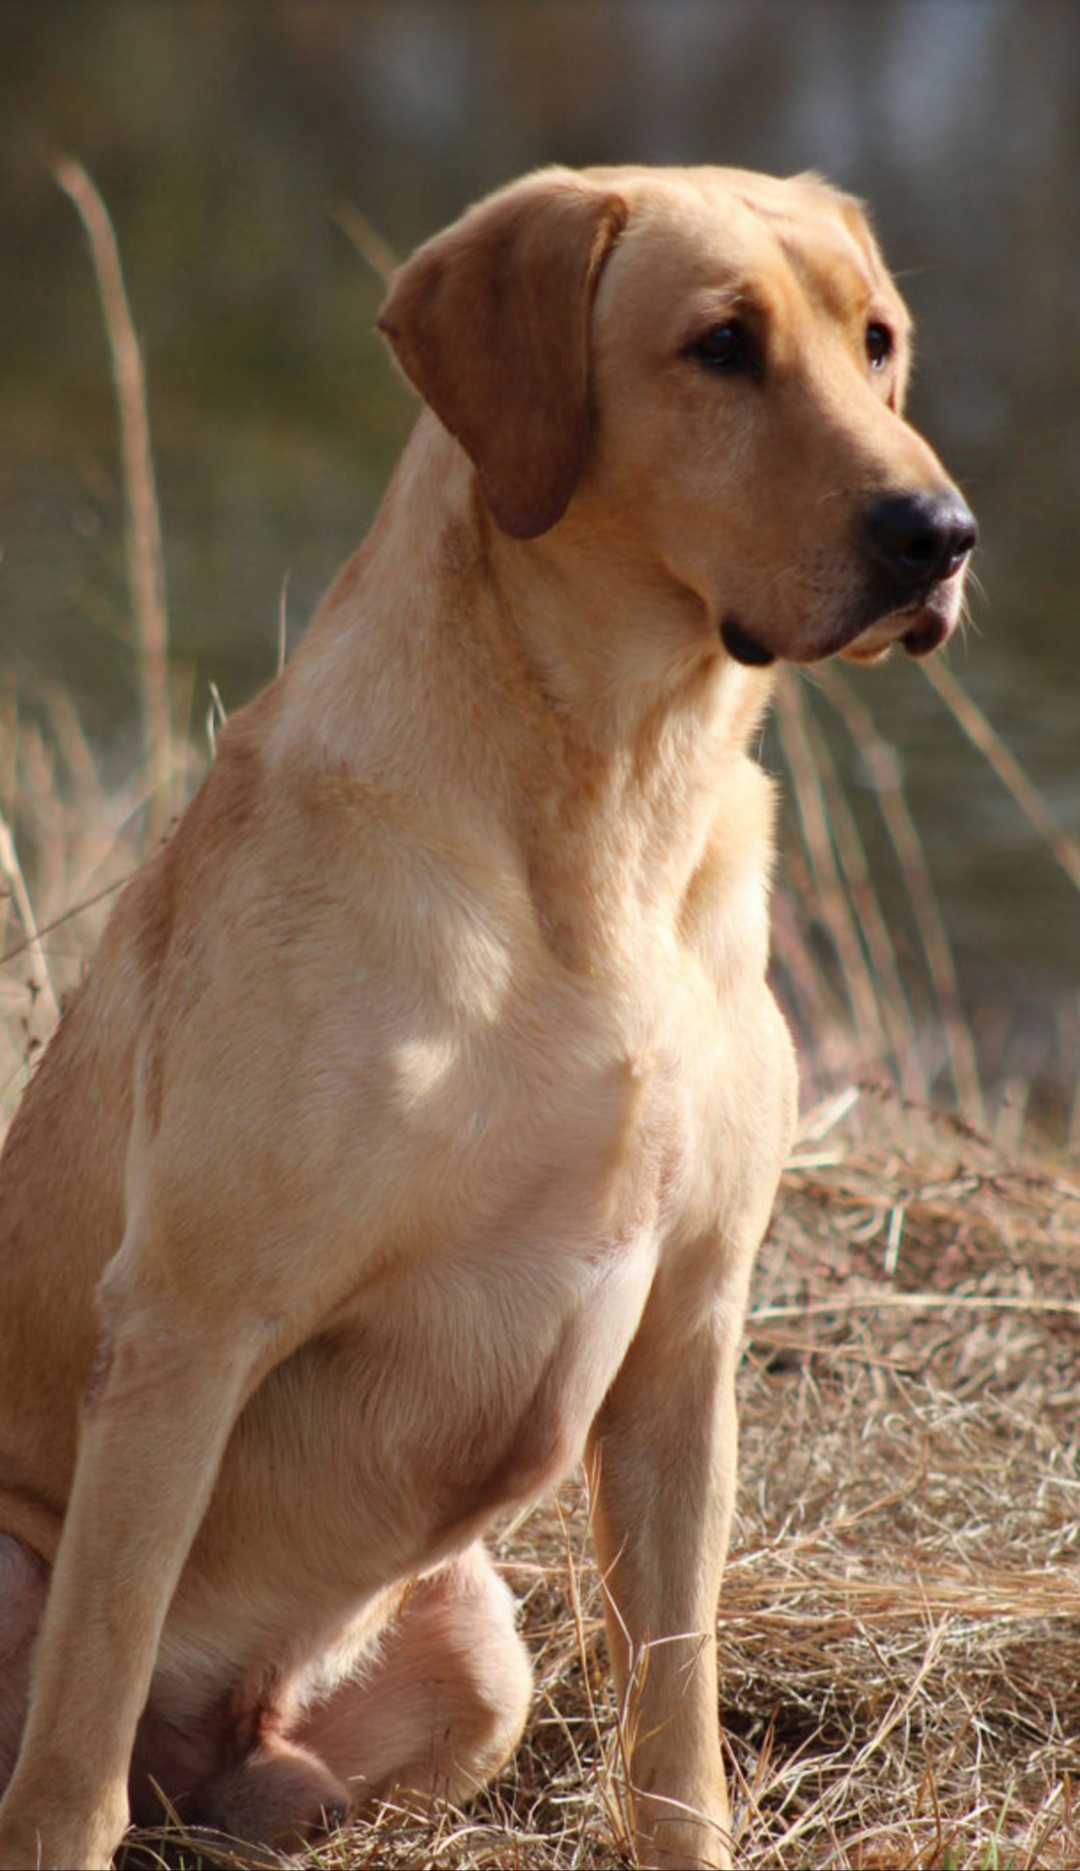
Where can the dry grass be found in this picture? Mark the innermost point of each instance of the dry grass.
(900, 1625)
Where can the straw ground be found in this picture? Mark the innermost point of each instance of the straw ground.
(900, 1623)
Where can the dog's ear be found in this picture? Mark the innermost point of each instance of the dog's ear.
(490, 322)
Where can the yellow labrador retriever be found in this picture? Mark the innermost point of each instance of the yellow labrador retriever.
(413, 1133)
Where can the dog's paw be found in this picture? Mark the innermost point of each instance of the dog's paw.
(278, 1795)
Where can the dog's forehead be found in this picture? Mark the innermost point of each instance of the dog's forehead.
(734, 231)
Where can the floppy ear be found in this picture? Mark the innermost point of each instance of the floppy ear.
(490, 321)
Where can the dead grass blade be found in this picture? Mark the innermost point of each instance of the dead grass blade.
(145, 554)
(830, 894)
(882, 763)
(367, 240)
(9, 863)
(896, 1019)
(982, 735)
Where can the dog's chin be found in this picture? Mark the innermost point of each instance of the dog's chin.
(918, 631)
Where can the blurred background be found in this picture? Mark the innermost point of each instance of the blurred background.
(232, 141)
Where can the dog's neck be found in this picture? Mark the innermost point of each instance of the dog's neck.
(595, 715)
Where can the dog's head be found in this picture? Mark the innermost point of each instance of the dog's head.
(708, 367)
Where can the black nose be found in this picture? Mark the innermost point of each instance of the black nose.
(920, 538)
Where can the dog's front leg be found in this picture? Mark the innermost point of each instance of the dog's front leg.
(663, 1461)
(155, 1423)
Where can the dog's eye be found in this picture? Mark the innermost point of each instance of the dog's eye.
(723, 347)
(879, 345)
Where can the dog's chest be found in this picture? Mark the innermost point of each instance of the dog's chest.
(552, 1180)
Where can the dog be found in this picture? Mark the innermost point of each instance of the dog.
(413, 1132)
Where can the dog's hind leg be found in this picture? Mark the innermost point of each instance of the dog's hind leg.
(442, 1705)
(24, 1582)
(435, 1709)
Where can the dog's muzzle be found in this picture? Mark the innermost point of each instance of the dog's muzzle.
(913, 546)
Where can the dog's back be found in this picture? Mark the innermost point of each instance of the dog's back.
(61, 1217)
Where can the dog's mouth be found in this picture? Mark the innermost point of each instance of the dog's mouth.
(919, 628)
(927, 635)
